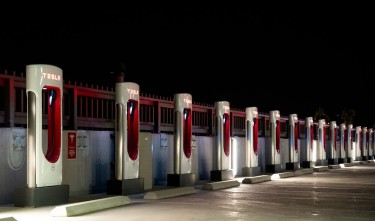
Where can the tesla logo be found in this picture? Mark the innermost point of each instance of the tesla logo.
(295, 118)
(51, 76)
(187, 100)
(72, 138)
(133, 91)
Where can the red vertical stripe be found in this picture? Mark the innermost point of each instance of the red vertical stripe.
(278, 136)
(54, 125)
(226, 134)
(255, 136)
(133, 129)
(311, 135)
(187, 132)
(296, 137)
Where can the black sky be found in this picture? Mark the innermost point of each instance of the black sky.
(291, 58)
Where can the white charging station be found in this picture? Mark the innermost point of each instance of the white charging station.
(371, 144)
(309, 152)
(349, 138)
(341, 149)
(364, 147)
(222, 148)
(44, 90)
(332, 150)
(321, 147)
(182, 161)
(251, 143)
(358, 143)
(273, 158)
(127, 180)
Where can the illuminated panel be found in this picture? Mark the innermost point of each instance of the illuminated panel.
(335, 137)
(255, 136)
(311, 135)
(54, 124)
(296, 137)
(187, 132)
(133, 128)
(324, 137)
(278, 136)
(226, 125)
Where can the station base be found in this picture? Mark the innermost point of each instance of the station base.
(221, 175)
(292, 166)
(307, 164)
(181, 180)
(125, 187)
(332, 161)
(41, 196)
(342, 160)
(273, 168)
(321, 163)
(250, 171)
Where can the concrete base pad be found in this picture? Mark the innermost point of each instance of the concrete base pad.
(167, 193)
(75, 209)
(354, 163)
(41, 196)
(336, 166)
(303, 171)
(277, 176)
(349, 160)
(321, 163)
(363, 162)
(220, 185)
(256, 179)
(221, 175)
(250, 171)
(320, 168)
(8, 219)
(370, 161)
(125, 187)
(342, 165)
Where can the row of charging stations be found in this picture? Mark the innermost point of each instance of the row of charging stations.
(44, 162)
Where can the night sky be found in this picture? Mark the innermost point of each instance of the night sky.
(291, 58)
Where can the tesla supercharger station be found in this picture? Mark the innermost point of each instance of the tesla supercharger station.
(358, 142)
(321, 147)
(293, 163)
(342, 139)
(332, 151)
(222, 148)
(273, 159)
(349, 143)
(370, 143)
(44, 90)
(127, 180)
(251, 143)
(309, 152)
(364, 146)
(182, 161)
